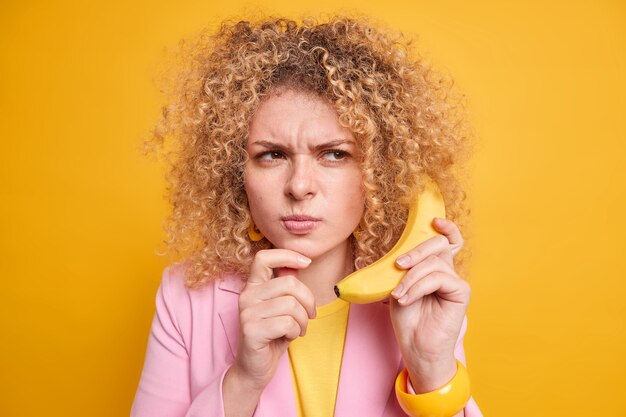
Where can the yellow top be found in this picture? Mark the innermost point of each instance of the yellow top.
(316, 360)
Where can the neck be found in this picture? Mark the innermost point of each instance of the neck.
(325, 271)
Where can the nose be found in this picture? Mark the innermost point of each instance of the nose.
(301, 183)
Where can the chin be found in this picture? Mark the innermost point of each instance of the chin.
(310, 248)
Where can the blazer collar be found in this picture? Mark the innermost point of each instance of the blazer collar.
(231, 283)
(228, 308)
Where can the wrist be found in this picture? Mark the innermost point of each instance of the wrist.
(429, 376)
(237, 376)
(239, 399)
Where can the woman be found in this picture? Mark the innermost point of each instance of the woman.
(297, 150)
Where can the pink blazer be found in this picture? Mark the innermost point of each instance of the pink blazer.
(193, 341)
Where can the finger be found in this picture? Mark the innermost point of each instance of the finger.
(434, 245)
(451, 231)
(260, 333)
(281, 306)
(266, 260)
(282, 271)
(287, 285)
(448, 287)
(431, 264)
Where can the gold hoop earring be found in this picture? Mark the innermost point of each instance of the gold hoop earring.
(356, 233)
(254, 233)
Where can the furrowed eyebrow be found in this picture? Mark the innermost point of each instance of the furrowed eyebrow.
(269, 145)
(334, 143)
(273, 145)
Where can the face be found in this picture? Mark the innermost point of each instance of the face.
(302, 178)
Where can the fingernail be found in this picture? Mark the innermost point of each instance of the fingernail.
(397, 291)
(403, 260)
(403, 299)
(303, 260)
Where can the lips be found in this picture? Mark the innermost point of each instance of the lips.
(300, 218)
(299, 223)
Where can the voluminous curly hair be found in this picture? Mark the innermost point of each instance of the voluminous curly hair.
(400, 110)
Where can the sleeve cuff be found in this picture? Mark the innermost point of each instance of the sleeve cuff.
(409, 387)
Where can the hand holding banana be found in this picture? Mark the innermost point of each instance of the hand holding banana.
(428, 307)
(431, 298)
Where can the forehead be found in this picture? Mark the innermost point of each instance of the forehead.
(296, 117)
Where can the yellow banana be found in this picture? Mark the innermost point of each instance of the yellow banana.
(376, 281)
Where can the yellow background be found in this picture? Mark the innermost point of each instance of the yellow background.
(81, 209)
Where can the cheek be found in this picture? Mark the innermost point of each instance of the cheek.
(257, 193)
(351, 189)
(357, 204)
(253, 190)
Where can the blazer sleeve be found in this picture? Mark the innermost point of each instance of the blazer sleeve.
(164, 386)
(471, 408)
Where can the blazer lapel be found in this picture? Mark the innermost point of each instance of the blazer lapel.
(278, 398)
(228, 309)
(370, 362)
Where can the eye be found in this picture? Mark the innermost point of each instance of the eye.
(271, 155)
(335, 155)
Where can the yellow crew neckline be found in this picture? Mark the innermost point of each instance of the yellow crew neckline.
(330, 308)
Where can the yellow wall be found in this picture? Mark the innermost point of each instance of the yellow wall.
(81, 210)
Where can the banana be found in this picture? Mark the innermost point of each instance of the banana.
(376, 281)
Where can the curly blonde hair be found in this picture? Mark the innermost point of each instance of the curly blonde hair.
(402, 113)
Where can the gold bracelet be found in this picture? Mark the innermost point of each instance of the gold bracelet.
(443, 402)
